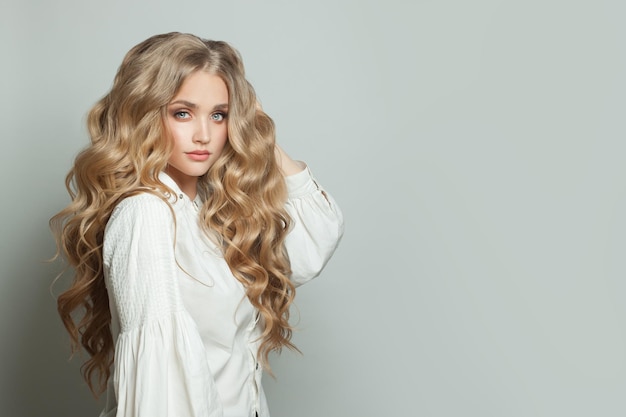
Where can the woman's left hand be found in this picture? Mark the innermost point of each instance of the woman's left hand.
(287, 165)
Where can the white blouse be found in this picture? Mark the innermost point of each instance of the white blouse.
(185, 333)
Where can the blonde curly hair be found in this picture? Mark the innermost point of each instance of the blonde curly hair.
(243, 192)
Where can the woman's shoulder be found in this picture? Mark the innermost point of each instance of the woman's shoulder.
(143, 221)
(149, 206)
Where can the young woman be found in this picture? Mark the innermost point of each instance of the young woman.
(188, 231)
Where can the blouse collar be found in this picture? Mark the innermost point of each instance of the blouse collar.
(179, 195)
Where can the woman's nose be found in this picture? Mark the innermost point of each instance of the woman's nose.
(203, 132)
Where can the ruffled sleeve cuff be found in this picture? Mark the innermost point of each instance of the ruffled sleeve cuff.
(161, 371)
(300, 184)
(317, 226)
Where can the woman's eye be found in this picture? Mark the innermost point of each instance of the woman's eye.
(182, 115)
(218, 117)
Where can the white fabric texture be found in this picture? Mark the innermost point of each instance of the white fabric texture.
(186, 335)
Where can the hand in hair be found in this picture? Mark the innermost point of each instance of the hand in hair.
(287, 165)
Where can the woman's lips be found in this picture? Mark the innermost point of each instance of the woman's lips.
(199, 155)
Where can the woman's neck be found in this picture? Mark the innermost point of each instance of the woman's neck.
(187, 184)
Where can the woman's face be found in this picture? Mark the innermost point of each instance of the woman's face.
(196, 118)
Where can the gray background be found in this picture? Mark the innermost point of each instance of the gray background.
(476, 148)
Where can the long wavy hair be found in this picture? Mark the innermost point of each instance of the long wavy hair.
(243, 192)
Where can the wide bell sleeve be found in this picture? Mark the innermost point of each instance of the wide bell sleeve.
(317, 226)
(160, 364)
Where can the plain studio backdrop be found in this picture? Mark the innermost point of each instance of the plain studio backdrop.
(476, 148)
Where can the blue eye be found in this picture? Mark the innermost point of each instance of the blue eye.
(218, 117)
(182, 115)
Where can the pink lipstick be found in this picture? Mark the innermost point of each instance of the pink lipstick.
(199, 155)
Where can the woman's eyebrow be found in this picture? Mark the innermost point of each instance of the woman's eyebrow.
(223, 106)
(184, 103)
